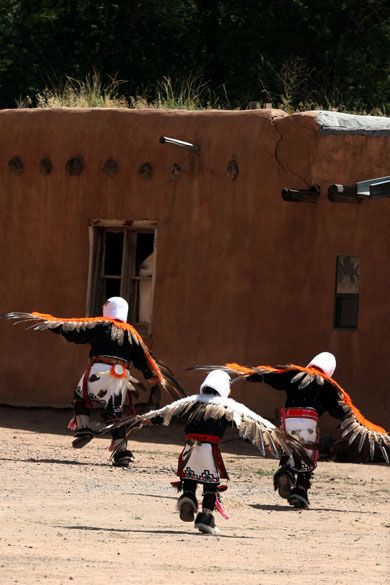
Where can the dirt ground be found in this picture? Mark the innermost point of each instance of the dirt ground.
(67, 515)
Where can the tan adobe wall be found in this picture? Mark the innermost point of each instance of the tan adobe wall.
(241, 274)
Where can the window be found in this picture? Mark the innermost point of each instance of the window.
(122, 263)
(346, 306)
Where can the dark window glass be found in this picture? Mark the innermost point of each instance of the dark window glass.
(346, 311)
(113, 253)
(113, 288)
(145, 246)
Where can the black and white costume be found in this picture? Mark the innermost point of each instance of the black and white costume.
(107, 382)
(207, 416)
(305, 403)
(311, 391)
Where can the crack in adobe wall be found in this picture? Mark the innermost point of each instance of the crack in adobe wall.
(282, 166)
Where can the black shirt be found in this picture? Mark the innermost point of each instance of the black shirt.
(200, 426)
(99, 338)
(323, 398)
(211, 426)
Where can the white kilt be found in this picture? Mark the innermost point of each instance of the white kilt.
(302, 424)
(199, 463)
(101, 388)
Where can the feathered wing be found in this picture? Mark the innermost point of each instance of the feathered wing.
(354, 425)
(268, 439)
(237, 371)
(119, 331)
(369, 437)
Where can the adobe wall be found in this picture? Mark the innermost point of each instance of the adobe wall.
(241, 274)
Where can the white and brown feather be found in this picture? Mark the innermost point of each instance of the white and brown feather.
(38, 322)
(267, 438)
(41, 324)
(370, 439)
(367, 441)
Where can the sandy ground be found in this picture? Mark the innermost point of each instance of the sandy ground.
(67, 515)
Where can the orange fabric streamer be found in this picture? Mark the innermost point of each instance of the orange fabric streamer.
(120, 324)
(347, 399)
(249, 370)
(314, 372)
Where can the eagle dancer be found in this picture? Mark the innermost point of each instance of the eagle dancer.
(311, 391)
(106, 383)
(206, 416)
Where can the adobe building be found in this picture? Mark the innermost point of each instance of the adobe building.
(228, 248)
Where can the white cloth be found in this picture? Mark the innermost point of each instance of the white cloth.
(306, 431)
(219, 381)
(146, 290)
(325, 361)
(200, 465)
(116, 308)
(103, 388)
(304, 428)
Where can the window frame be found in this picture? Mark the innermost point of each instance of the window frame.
(96, 229)
(344, 295)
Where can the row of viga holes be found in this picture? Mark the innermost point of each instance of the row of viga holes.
(75, 166)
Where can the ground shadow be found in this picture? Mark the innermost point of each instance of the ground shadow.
(150, 495)
(60, 461)
(36, 419)
(150, 531)
(272, 507)
(276, 508)
(55, 421)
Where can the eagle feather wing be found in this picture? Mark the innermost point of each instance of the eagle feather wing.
(237, 370)
(268, 439)
(372, 438)
(119, 331)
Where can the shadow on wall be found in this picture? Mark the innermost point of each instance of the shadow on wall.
(36, 419)
(55, 421)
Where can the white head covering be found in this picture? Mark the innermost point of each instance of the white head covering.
(219, 381)
(325, 361)
(116, 308)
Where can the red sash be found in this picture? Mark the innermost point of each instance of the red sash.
(298, 412)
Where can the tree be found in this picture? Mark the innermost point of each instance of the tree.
(334, 51)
